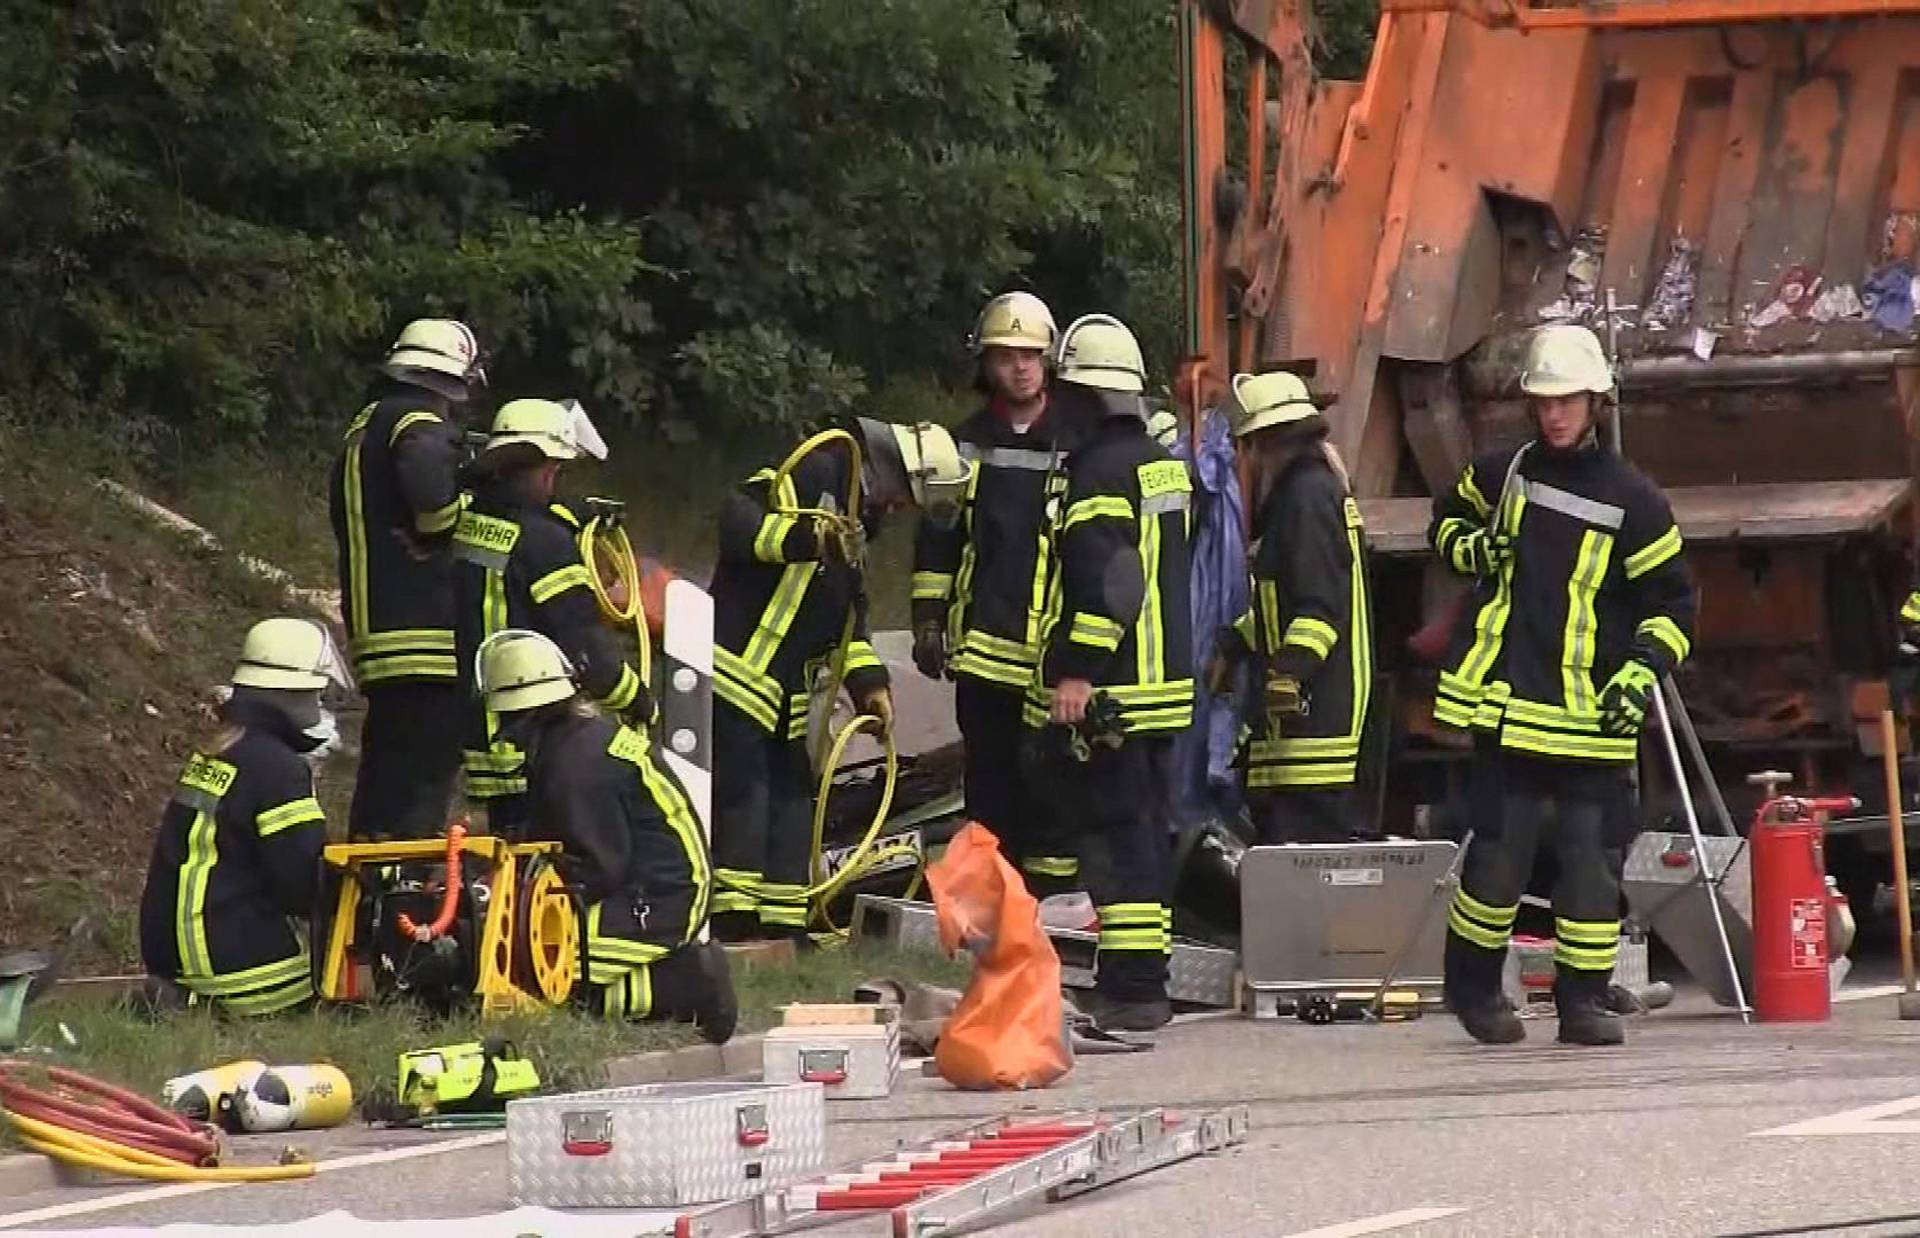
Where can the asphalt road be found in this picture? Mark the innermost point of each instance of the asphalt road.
(1356, 1129)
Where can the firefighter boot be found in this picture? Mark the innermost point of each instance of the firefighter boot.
(695, 984)
(1115, 1014)
(1473, 994)
(1581, 999)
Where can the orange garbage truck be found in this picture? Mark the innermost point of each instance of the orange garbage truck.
(1727, 190)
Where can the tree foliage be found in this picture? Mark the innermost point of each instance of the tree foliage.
(707, 215)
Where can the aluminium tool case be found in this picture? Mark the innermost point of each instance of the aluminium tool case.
(663, 1144)
(848, 1061)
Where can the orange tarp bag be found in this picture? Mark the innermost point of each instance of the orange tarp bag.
(1008, 1030)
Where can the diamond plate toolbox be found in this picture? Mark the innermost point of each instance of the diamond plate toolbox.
(663, 1144)
(851, 1063)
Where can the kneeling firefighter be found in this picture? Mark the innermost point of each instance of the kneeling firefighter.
(790, 600)
(631, 843)
(517, 564)
(1310, 621)
(1581, 602)
(978, 583)
(236, 863)
(1115, 681)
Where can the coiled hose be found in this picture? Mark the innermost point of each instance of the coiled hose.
(91, 1124)
(605, 541)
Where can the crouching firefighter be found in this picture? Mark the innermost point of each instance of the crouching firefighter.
(517, 564)
(1309, 623)
(979, 583)
(236, 865)
(789, 601)
(1581, 603)
(394, 498)
(1115, 681)
(631, 844)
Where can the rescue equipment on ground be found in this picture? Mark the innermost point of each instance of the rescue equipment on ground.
(478, 1076)
(1790, 906)
(293, 1098)
(1007, 1030)
(851, 1051)
(207, 1095)
(88, 1124)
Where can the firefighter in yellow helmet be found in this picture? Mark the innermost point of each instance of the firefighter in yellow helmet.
(789, 600)
(631, 844)
(978, 582)
(1115, 679)
(517, 564)
(1310, 621)
(1581, 602)
(236, 862)
(395, 495)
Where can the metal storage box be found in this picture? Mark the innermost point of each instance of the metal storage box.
(1664, 888)
(848, 1061)
(663, 1144)
(1319, 916)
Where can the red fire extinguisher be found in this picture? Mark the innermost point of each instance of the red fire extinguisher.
(1790, 908)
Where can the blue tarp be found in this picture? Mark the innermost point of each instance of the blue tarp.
(1204, 785)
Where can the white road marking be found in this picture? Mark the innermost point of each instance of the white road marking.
(1861, 995)
(1380, 1224)
(122, 1199)
(1866, 1120)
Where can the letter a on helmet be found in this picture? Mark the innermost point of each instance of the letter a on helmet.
(1013, 320)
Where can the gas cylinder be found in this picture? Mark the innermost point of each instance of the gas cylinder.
(1790, 909)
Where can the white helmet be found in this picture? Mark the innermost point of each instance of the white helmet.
(1564, 359)
(558, 429)
(516, 670)
(917, 463)
(289, 655)
(1276, 398)
(1013, 320)
(438, 353)
(1098, 351)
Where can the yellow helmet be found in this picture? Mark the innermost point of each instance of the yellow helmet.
(515, 670)
(1277, 398)
(439, 353)
(1012, 320)
(558, 429)
(1097, 350)
(917, 463)
(291, 655)
(1564, 359)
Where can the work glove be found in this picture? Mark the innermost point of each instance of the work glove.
(879, 703)
(1285, 697)
(1483, 552)
(841, 542)
(930, 648)
(1624, 701)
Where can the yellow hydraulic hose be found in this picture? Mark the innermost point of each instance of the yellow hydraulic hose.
(602, 540)
(93, 1152)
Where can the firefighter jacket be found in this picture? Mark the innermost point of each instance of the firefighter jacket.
(237, 857)
(780, 612)
(986, 576)
(1310, 618)
(632, 845)
(517, 565)
(1589, 574)
(1117, 601)
(395, 496)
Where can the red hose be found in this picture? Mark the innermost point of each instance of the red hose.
(125, 1118)
(450, 897)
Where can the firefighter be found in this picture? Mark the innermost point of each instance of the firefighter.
(977, 584)
(517, 564)
(631, 843)
(1581, 604)
(395, 497)
(1310, 622)
(789, 600)
(1115, 681)
(237, 860)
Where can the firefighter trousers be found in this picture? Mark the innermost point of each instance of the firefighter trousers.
(762, 828)
(997, 788)
(1116, 801)
(1302, 815)
(1518, 804)
(409, 761)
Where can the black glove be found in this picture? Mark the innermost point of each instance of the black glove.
(930, 648)
(1624, 701)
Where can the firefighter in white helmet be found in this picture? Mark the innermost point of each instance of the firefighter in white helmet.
(977, 581)
(1581, 603)
(517, 563)
(236, 863)
(631, 844)
(395, 496)
(1310, 621)
(1115, 681)
(790, 598)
